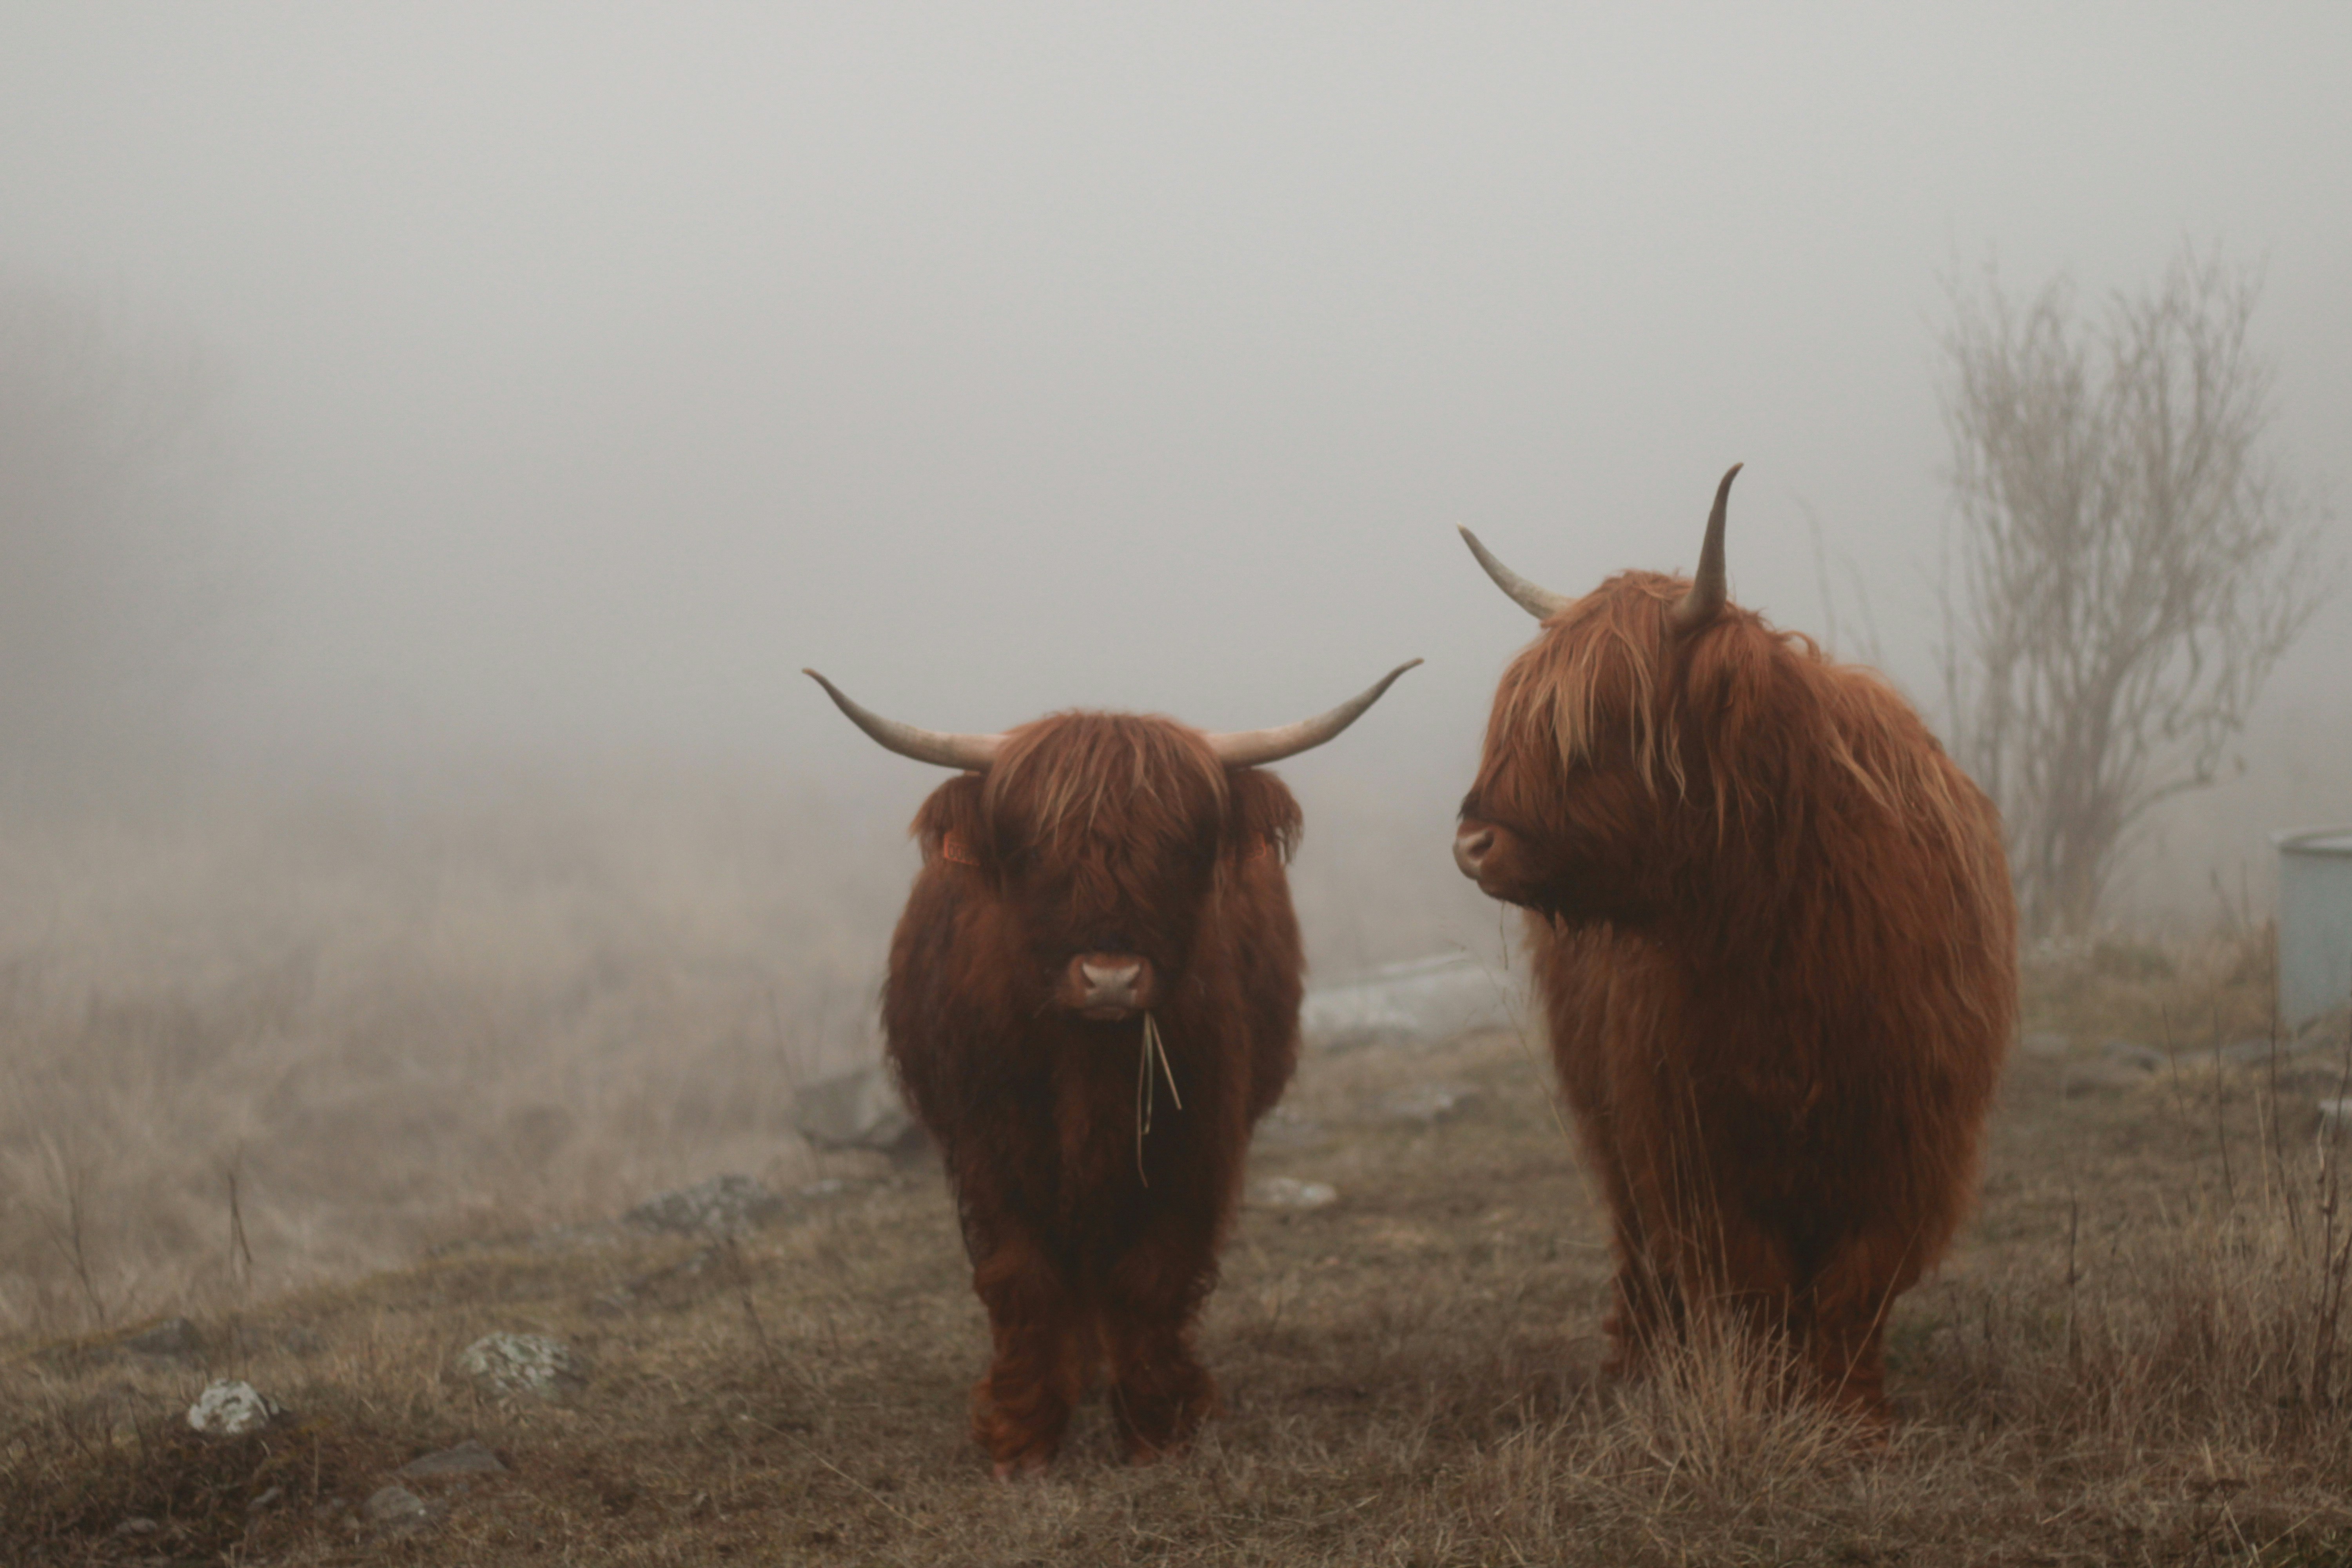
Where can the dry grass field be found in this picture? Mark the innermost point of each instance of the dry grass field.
(2136, 1355)
(517, 1003)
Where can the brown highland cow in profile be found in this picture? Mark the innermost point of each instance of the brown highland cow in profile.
(1773, 929)
(1092, 996)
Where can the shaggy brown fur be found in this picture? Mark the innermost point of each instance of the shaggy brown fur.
(1095, 834)
(1776, 942)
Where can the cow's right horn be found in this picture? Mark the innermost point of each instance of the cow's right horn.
(1540, 603)
(1251, 748)
(974, 753)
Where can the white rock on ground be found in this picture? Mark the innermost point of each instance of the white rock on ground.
(232, 1409)
(723, 1205)
(524, 1363)
(1290, 1192)
(859, 1110)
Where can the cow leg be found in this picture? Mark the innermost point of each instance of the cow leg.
(1848, 1362)
(1845, 1333)
(1042, 1351)
(1668, 1239)
(1159, 1392)
(1646, 1306)
(1739, 1274)
(1824, 1317)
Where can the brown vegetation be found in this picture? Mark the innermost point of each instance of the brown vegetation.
(2133, 1355)
(2133, 561)
(396, 1024)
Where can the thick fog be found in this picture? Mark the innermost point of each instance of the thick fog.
(562, 379)
(433, 438)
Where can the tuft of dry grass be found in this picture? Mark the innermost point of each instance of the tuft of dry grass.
(244, 1052)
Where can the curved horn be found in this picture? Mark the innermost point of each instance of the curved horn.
(1708, 591)
(973, 753)
(1249, 748)
(1540, 603)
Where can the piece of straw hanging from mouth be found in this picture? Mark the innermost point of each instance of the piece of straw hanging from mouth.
(1152, 1046)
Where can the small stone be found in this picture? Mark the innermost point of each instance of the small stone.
(2334, 1114)
(232, 1409)
(723, 1205)
(1429, 1102)
(1290, 1192)
(859, 1110)
(396, 1511)
(136, 1526)
(467, 1459)
(2043, 1042)
(174, 1338)
(524, 1363)
(2132, 1054)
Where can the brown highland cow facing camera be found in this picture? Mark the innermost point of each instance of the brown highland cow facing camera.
(1773, 929)
(1092, 996)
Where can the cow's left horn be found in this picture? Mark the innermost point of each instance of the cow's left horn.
(973, 753)
(1249, 748)
(1540, 603)
(1708, 591)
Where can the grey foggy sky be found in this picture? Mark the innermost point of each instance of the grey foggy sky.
(590, 370)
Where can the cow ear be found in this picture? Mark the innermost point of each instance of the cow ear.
(1263, 818)
(949, 824)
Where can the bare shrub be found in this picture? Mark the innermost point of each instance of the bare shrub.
(2132, 561)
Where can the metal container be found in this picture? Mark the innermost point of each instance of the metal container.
(2314, 922)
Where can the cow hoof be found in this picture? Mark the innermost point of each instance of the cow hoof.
(1027, 1466)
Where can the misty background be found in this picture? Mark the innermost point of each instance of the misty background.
(465, 421)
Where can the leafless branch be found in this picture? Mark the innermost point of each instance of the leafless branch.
(2131, 563)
